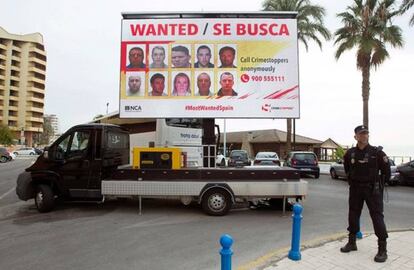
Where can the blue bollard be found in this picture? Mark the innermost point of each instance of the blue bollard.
(359, 233)
(226, 241)
(294, 253)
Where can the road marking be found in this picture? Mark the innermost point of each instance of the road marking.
(7, 193)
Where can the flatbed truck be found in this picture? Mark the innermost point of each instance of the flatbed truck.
(89, 162)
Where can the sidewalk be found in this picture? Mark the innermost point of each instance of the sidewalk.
(327, 256)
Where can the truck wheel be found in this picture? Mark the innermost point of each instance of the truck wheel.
(44, 198)
(216, 202)
(3, 159)
(316, 175)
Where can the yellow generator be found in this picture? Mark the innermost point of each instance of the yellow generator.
(157, 158)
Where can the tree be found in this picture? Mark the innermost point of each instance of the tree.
(367, 26)
(6, 135)
(48, 132)
(310, 28)
(406, 5)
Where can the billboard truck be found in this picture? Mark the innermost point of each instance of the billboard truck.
(181, 65)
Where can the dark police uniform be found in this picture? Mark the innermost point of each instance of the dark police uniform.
(367, 170)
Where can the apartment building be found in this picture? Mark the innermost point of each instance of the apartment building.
(22, 84)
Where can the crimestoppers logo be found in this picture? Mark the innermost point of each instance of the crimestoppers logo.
(135, 108)
(266, 108)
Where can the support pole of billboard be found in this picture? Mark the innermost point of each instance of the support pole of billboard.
(294, 135)
(224, 139)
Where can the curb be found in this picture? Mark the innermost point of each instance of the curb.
(279, 254)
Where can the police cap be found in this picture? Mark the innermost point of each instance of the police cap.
(360, 129)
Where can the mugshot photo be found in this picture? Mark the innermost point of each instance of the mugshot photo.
(203, 83)
(181, 56)
(135, 84)
(157, 84)
(227, 83)
(158, 56)
(181, 84)
(136, 56)
(204, 56)
(227, 55)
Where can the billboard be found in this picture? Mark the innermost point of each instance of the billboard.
(209, 68)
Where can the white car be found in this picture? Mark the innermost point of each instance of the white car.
(220, 160)
(25, 151)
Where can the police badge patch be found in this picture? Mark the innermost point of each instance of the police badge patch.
(385, 159)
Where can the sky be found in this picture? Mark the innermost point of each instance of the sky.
(82, 42)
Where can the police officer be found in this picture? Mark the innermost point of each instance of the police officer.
(368, 169)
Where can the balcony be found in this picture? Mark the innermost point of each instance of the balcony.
(37, 70)
(36, 50)
(35, 119)
(34, 79)
(13, 108)
(14, 88)
(34, 109)
(15, 48)
(14, 98)
(37, 60)
(17, 79)
(36, 89)
(13, 118)
(2, 46)
(2, 56)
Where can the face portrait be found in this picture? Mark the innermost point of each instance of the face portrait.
(158, 85)
(158, 57)
(362, 137)
(136, 57)
(227, 57)
(203, 84)
(134, 84)
(226, 82)
(181, 85)
(203, 57)
(180, 57)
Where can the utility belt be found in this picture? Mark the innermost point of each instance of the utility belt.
(374, 186)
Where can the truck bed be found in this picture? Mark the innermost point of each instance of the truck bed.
(258, 174)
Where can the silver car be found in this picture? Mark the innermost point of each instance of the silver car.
(337, 170)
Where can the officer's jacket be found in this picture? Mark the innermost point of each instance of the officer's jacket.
(365, 166)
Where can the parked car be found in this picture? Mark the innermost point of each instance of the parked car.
(25, 151)
(306, 162)
(4, 155)
(405, 173)
(220, 160)
(238, 158)
(38, 151)
(337, 170)
(266, 158)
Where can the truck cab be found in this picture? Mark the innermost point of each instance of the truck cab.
(74, 165)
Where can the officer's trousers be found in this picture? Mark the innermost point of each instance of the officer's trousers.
(357, 195)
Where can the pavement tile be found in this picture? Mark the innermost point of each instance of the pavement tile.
(328, 256)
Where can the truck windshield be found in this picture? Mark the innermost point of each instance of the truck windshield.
(184, 122)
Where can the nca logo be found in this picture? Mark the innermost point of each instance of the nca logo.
(266, 107)
(135, 108)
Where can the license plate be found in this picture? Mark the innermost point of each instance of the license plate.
(305, 169)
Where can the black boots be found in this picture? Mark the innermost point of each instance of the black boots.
(382, 252)
(351, 245)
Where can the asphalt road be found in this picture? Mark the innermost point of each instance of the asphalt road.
(168, 235)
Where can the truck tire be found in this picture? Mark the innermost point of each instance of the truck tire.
(317, 175)
(216, 202)
(3, 159)
(44, 198)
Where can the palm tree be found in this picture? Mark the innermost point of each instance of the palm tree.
(367, 26)
(406, 5)
(310, 28)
